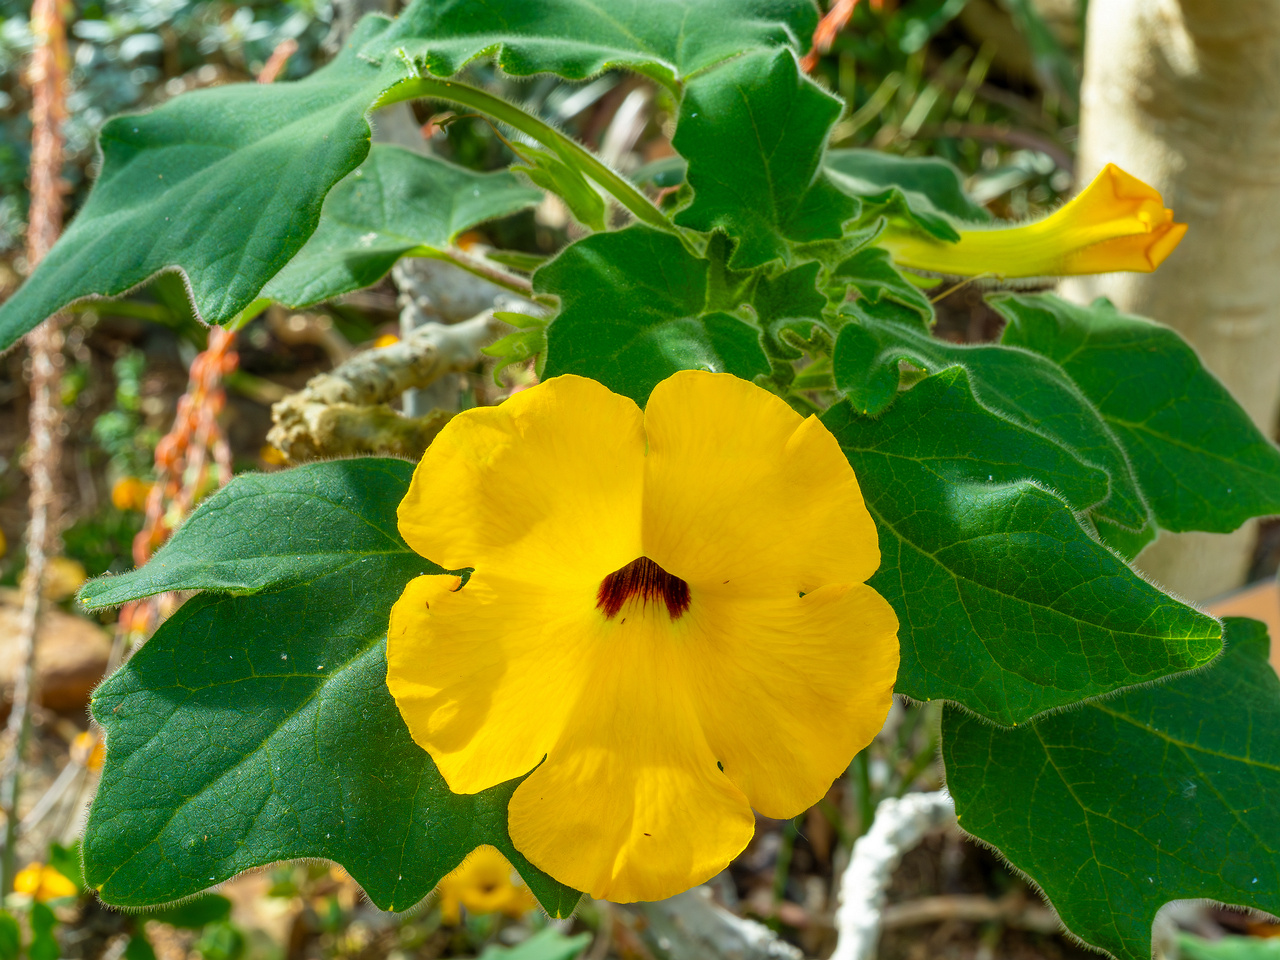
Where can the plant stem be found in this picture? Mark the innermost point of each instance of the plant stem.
(567, 149)
(480, 268)
(866, 803)
(47, 77)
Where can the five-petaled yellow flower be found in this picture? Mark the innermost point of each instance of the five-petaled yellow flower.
(484, 883)
(667, 622)
(1117, 223)
(43, 883)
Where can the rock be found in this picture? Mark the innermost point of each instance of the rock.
(71, 656)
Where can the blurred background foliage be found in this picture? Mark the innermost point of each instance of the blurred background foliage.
(990, 85)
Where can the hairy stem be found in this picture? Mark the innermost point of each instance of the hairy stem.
(568, 150)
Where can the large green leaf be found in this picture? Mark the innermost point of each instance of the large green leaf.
(753, 133)
(258, 727)
(882, 288)
(1167, 792)
(1199, 459)
(1006, 605)
(925, 192)
(633, 312)
(395, 204)
(224, 184)
(665, 39)
(1024, 387)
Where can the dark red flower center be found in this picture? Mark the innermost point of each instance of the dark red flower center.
(645, 578)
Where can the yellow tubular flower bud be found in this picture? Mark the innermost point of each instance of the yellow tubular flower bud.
(1117, 223)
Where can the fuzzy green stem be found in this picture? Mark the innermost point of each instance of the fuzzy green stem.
(568, 150)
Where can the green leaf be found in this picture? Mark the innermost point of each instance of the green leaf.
(788, 302)
(225, 184)
(551, 173)
(925, 192)
(1166, 792)
(44, 945)
(753, 133)
(194, 913)
(393, 205)
(1199, 459)
(1023, 387)
(10, 936)
(1191, 947)
(547, 944)
(267, 530)
(258, 727)
(664, 39)
(1006, 605)
(633, 313)
(139, 948)
(883, 289)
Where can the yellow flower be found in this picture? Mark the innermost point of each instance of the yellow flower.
(130, 493)
(43, 883)
(1117, 223)
(484, 883)
(670, 607)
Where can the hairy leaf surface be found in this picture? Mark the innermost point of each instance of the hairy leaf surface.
(1165, 792)
(1006, 605)
(753, 133)
(1199, 459)
(1024, 387)
(395, 204)
(925, 192)
(258, 728)
(634, 311)
(665, 39)
(224, 184)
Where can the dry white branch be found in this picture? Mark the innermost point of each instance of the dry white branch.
(345, 412)
(899, 825)
(692, 926)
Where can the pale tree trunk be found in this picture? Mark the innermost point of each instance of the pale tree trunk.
(1185, 94)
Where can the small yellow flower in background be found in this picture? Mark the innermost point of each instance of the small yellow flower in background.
(130, 493)
(272, 456)
(43, 883)
(385, 340)
(670, 607)
(88, 750)
(1117, 223)
(484, 883)
(63, 577)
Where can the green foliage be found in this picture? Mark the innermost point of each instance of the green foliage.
(1011, 482)
(922, 192)
(10, 936)
(44, 945)
(395, 204)
(547, 944)
(667, 40)
(1163, 793)
(256, 725)
(757, 128)
(1202, 463)
(1006, 605)
(193, 914)
(164, 198)
(1228, 948)
(634, 311)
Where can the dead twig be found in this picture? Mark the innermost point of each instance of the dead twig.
(1013, 910)
(47, 78)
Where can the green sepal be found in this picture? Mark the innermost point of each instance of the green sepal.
(922, 192)
(883, 290)
(633, 312)
(395, 204)
(1199, 459)
(757, 128)
(256, 725)
(527, 343)
(1023, 387)
(551, 173)
(1005, 603)
(667, 40)
(224, 184)
(1165, 792)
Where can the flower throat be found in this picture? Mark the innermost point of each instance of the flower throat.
(644, 577)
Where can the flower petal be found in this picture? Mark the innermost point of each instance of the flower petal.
(485, 675)
(546, 483)
(743, 493)
(788, 690)
(630, 804)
